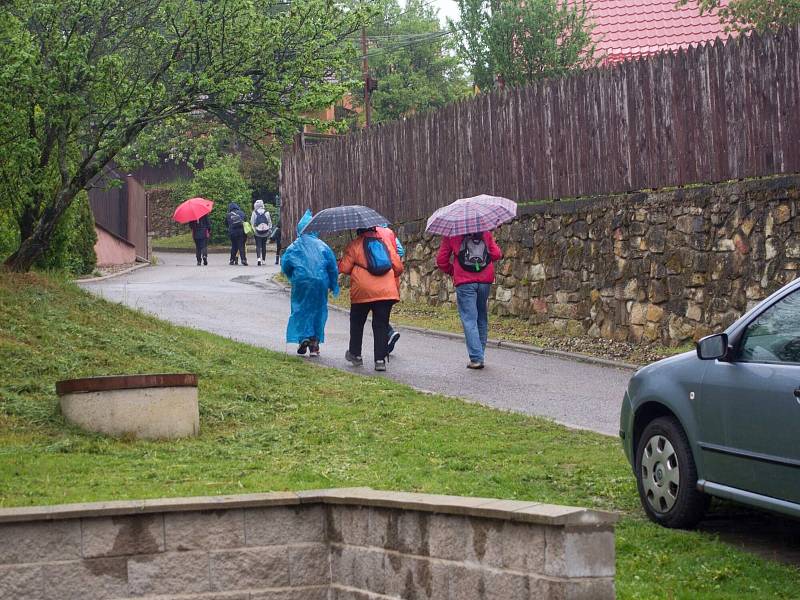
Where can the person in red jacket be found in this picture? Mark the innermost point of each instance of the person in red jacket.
(470, 259)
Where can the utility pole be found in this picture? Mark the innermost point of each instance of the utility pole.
(365, 69)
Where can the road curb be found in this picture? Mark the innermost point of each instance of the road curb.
(516, 346)
(111, 275)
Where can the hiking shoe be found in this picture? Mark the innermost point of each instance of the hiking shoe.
(259, 262)
(301, 349)
(199, 263)
(380, 365)
(392, 342)
(475, 365)
(357, 361)
(205, 261)
(244, 263)
(232, 262)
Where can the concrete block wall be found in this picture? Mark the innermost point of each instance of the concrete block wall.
(323, 545)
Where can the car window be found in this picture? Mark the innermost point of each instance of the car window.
(774, 336)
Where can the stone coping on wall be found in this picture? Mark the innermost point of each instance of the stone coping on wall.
(511, 510)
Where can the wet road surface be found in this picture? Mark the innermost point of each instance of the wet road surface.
(243, 304)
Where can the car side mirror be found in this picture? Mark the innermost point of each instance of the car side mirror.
(713, 347)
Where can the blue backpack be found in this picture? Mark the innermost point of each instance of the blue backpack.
(379, 262)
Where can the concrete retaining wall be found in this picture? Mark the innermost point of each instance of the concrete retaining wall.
(112, 250)
(667, 265)
(323, 545)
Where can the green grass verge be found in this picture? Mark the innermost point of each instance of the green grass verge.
(274, 422)
(181, 241)
(184, 241)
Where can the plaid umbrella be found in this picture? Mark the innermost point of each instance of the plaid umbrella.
(340, 218)
(472, 215)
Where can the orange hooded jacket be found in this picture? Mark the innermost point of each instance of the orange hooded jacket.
(364, 286)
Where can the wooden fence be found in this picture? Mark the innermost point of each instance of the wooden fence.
(707, 114)
(121, 208)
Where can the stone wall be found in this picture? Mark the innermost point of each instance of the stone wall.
(161, 206)
(667, 266)
(354, 544)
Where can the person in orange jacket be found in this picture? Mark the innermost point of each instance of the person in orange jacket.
(372, 264)
(390, 237)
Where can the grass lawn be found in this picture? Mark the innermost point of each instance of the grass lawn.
(273, 422)
(184, 241)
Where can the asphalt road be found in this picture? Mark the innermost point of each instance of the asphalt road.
(243, 304)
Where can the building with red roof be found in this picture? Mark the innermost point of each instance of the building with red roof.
(625, 29)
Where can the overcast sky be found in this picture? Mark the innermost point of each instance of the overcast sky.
(447, 8)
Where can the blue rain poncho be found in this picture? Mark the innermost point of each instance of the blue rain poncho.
(310, 266)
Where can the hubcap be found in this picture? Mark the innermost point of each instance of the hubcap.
(660, 473)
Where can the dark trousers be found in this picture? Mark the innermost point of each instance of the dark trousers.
(381, 310)
(261, 248)
(237, 246)
(277, 250)
(201, 248)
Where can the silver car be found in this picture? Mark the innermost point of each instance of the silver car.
(722, 421)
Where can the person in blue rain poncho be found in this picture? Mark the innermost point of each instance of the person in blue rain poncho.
(310, 265)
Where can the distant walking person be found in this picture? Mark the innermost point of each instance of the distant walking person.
(201, 233)
(262, 229)
(372, 265)
(469, 259)
(234, 221)
(310, 265)
(276, 237)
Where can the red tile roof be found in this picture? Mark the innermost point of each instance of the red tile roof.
(632, 28)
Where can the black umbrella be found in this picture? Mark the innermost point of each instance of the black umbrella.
(341, 218)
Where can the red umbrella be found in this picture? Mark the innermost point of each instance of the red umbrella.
(192, 209)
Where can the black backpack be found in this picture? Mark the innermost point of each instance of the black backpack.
(235, 217)
(379, 261)
(473, 255)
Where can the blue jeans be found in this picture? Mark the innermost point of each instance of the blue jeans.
(473, 299)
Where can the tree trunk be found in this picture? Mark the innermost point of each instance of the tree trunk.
(34, 245)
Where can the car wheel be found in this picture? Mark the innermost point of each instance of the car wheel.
(667, 477)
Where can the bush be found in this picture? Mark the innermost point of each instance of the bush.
(72, 244)
(221, 182)
(9, 234)
(81, 257)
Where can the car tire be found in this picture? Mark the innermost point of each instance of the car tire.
(666, 476)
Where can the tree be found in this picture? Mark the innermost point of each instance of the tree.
(412, 59)
(82, 79)
(518, 41)
(746, 15)
(221, 182)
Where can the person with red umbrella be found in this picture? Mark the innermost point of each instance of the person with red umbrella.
(201, 233)
(195, 211)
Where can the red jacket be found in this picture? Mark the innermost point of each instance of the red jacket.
(447, 260)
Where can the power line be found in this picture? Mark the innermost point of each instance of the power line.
(398, 46)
